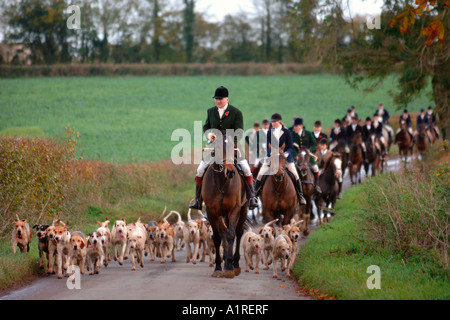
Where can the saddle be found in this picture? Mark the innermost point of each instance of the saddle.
(246, 191)
(264, 178)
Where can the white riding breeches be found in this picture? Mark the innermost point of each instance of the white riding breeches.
(266, 166)
(204, 165)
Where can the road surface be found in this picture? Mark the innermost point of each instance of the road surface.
(172, 280)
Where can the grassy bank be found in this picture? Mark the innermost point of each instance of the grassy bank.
(40, 180)
(406, 238)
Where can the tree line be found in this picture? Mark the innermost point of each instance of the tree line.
(151, 31)
(412, 40)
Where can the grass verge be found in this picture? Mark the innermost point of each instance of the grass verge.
(334, 262)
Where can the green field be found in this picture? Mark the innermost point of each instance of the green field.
(124, 119)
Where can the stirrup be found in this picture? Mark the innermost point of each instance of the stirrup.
(197, 204)
(253, 203)
(301, 199)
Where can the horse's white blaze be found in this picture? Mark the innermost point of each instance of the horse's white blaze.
(338, 163)
(303, 153)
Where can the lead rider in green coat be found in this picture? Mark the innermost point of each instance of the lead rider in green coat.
(222, 117)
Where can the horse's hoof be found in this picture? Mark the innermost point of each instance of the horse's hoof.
(217, 274)
(237, 271)
(229, 274)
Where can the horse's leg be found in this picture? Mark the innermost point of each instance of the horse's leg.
(234, 218)
(239, 233)
(217, 242)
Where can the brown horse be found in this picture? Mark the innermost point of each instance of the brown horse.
(356, 158)
(340, 148)
(278, 195)
(372, 155)
(433, 134)
(422, 139)
(328, 182)
(307, 178)
(226, 208)
(404, 141)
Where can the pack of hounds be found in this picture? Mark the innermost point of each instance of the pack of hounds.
(159, 239)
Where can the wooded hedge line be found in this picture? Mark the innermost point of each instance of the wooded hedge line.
(178, 69)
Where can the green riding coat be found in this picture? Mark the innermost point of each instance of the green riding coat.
(304, 140)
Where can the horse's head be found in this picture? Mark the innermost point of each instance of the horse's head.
(422, 128)
(403, 125)
(337, 163)
(371, 139)
(303, 158)
(228, 155)
(224, 154)
(358, 138)
(279, 175)
(334, 164)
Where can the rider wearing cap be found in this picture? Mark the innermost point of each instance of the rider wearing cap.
(283, 136)
(303, 139)
(222, 117)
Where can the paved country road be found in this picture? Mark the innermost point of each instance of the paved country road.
(172, 280)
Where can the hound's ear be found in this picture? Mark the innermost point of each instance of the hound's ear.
(82, 245)
(123, 219)
(99, 223)
(35, 226)
(106, 222)
(249, 238)
(261, 235)
(260, 231)
(274, 232)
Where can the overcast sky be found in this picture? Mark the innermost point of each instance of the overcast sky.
(216, 10)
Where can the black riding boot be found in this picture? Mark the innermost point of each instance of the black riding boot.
(316, 182)
(258, 189)
(198, 199)
(252, 201)
(298, 188)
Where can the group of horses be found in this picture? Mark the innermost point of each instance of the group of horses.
(224, 190)
(425, 136)
(224, 194)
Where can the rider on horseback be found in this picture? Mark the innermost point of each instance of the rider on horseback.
(432, 121)
(283, 135)
(222, 117)
(383, 115)
(405, 118)
(303, 139)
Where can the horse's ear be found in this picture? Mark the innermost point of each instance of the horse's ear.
(337, 155)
